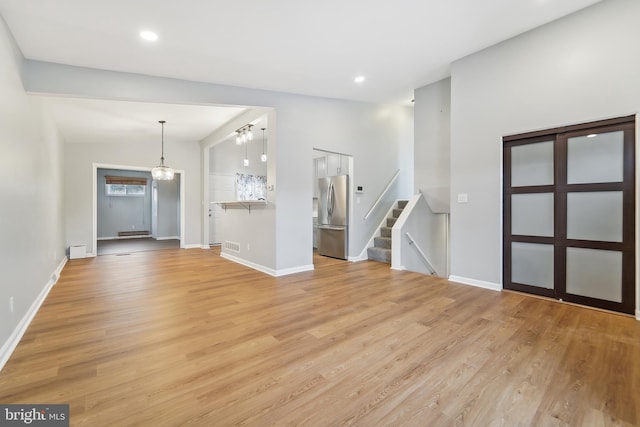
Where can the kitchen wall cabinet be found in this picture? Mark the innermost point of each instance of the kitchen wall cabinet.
(329, 165)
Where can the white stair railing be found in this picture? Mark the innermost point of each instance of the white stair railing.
(384, 192)
(413, 243)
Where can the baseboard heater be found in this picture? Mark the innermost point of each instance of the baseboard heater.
(133, 233)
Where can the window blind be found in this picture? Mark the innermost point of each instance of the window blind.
(126, 180)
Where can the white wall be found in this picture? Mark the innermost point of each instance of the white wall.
(378, 137)
(432, 113)
(122, 213)
(429, 233)
(169, 208)
(253, 231)
(31, 213)
(581, 68)
(78, 181)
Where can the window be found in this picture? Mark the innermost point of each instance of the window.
(125, 186)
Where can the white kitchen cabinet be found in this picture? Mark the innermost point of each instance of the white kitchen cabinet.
(337, 164)
(329, 165)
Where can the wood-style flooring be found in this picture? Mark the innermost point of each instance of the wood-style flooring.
(185, 337)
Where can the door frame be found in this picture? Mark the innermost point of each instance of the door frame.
(94, 206)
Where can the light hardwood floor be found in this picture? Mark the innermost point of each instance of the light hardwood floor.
(179, 337)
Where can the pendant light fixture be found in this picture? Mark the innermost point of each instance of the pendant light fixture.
(263, 158)
(244, 134)
(162, 172)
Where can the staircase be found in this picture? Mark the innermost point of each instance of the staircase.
(381, 250)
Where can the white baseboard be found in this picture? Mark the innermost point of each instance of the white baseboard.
(638, 314)
(59, 270)
(476, 283)
(266, 270)
(249, 264)
(193, 246)
(62, 264)
(294, 270)
(364, 254)
(362, 257)
(10, 345)
(168, 238)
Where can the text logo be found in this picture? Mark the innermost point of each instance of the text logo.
(34, 415)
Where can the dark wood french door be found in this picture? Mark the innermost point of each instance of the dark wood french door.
(569, 213)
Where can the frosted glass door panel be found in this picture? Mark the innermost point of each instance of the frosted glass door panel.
(594, 273)
(532, 164)
(595, 158)
(595, 216)
(532, 264)
(532, 214)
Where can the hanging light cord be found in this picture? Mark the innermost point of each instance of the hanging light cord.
(162, 139)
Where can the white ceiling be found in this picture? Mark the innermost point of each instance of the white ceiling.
(102, 121)
(298, 46)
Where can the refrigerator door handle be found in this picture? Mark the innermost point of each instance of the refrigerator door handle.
(330, 200)
(331, 227)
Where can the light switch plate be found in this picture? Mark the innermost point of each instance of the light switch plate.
(463, 198)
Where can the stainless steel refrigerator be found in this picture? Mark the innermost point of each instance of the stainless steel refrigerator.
(333, 207)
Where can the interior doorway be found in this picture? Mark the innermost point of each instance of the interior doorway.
(134, 213)
(569, 214)
(327, 166)
(221, 188)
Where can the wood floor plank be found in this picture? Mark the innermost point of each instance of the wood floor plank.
(185, 337)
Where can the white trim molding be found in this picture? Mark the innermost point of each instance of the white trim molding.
(294, 270)
(362, 257)
(476, 283)
(193, 246)
(10, 345)
(637, 314)
(59, 270)
(266, 270)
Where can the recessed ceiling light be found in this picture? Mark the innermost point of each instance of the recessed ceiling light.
(149, 35)
(359, 79)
